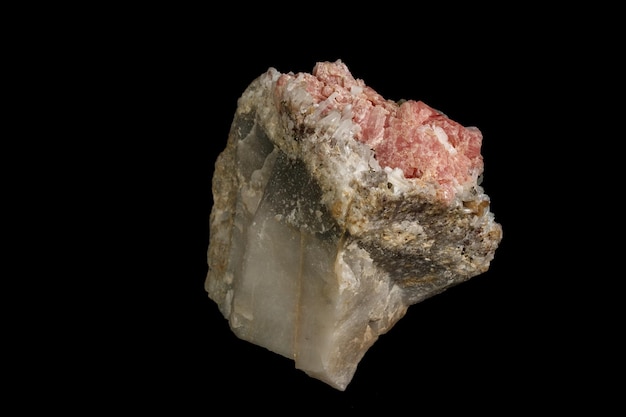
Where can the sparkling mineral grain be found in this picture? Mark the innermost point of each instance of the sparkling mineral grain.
(336, 209)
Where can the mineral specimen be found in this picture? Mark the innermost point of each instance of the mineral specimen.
(334, 210)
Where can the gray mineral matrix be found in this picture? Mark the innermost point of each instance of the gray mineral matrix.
(336, 209)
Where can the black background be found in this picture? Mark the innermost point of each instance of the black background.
(160, 88)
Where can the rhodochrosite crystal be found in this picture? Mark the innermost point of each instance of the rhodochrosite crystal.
(336, 209)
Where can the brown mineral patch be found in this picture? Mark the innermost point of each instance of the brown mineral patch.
(477, 207)
(337, 209)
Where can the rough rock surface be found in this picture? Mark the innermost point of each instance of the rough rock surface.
(336, 209)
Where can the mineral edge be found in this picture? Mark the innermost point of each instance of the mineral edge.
(335, 210)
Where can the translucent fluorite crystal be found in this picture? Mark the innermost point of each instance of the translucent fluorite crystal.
(335, 210)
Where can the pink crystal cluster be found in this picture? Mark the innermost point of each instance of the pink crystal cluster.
(411, 136)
